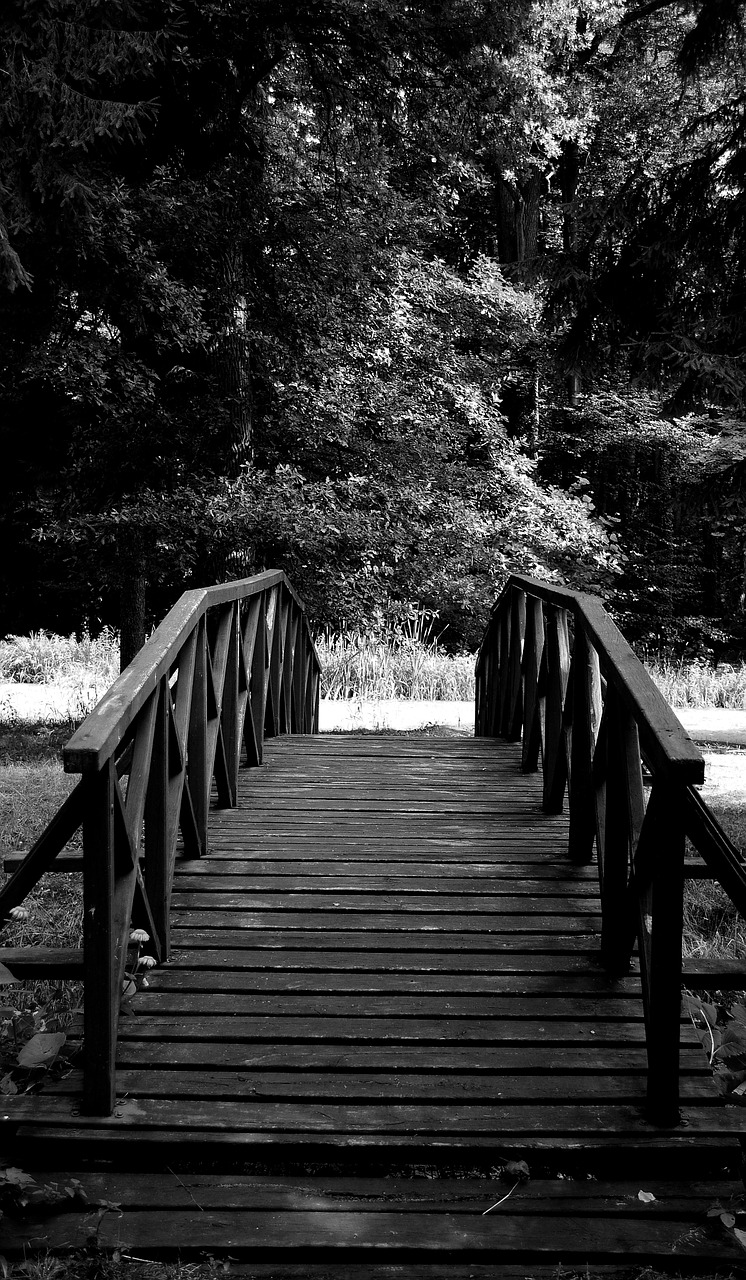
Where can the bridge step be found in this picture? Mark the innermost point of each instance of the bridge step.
(428, 1222)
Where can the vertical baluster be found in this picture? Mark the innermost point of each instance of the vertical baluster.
(479, 697)
(557, 649)
(288, 666)
(661, 907)
(533, 649)
(492, 683)
(101, 1006)
(230, 707)
(309, 692)
(316, 699)
(586, 717)
(502, 674)
(515, 694)
(257, 687)
(617, 925)
(299, 678)
(199, 782)
(274, 674)
(157, 870)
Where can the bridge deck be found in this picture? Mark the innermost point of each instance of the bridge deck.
(386, 947)
(386, 964)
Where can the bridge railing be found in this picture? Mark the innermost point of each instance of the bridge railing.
(228, 666)
(555, 672)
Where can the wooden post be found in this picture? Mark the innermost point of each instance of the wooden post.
(533, 649)
(515, 687)
(617, 925)
(299, 678)
(199, 782)
(503, 669)
(101, 1005)
(274, 673)
(254, 736)
(558, 670)
(586, 714)
(230, 707)
(665, 925)
(157, 870)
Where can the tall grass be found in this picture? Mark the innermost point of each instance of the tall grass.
(401, 663)
(697, 684)
(45, 658)
(404, 661)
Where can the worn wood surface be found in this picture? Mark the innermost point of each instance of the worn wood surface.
(386, 960)
(387, 946)
(434, 1226)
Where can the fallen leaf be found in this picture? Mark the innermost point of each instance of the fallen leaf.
(647, 1197)
(41, 1049)
(16, 1177)
(8, 1085)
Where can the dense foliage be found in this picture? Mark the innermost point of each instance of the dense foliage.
(361, 289)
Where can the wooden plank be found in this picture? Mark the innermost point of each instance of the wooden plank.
(43, 962)
(260, 869)
(512, 985)
(618, 1061)
(476, 904)
(347, 880)
(443, 940)
(254, 960)
(63, 862)
(448, 1006)
(685, 1200)
(275, 1086)
(570, 925)
(438, 1030)
(499, 1120)
(317, 1234)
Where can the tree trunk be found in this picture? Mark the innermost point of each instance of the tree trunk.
(568, 172)
(131, 611)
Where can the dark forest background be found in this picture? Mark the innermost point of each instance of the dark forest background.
(398, 298)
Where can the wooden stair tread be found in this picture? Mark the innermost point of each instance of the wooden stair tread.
(423, 1221)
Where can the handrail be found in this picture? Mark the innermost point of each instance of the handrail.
(554, 671)
(227, 667)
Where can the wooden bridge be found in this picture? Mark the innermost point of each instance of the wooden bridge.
(389, 967)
